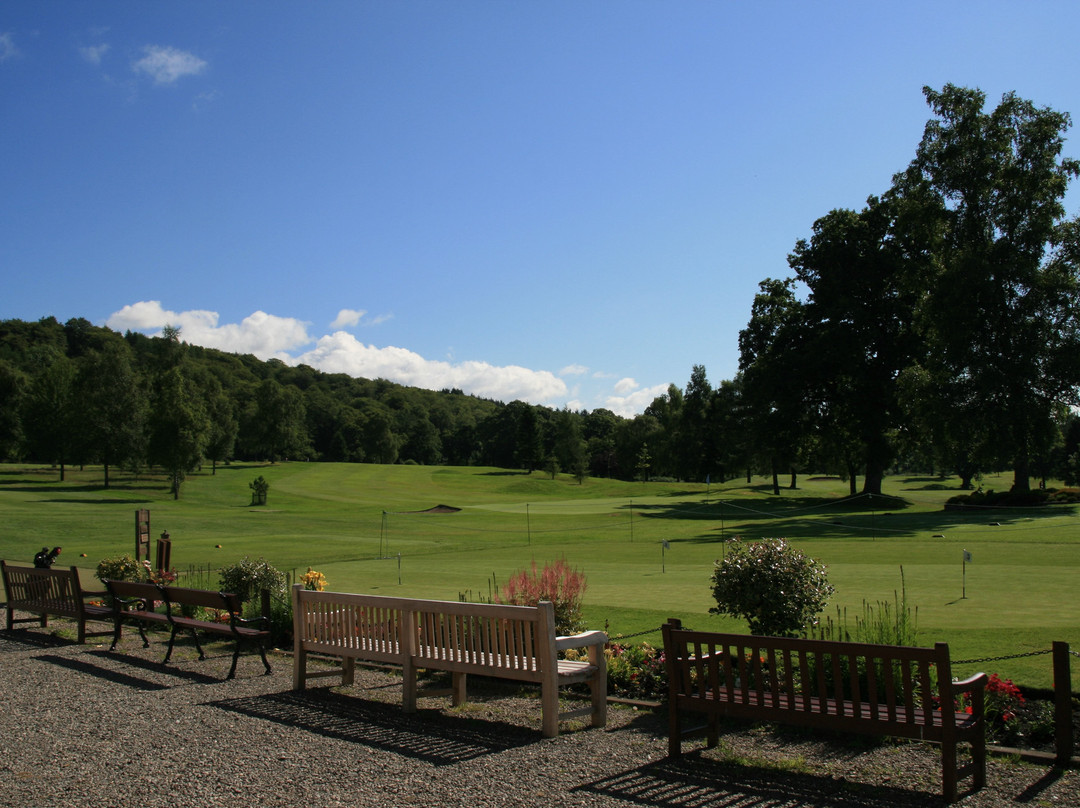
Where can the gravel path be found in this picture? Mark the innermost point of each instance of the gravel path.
(82, 727)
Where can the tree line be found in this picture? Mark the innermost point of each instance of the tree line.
(934, 330)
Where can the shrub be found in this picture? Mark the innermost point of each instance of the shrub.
(778, 589)
(247, 578)
(121, 568)
(557, 582)
(636, 671)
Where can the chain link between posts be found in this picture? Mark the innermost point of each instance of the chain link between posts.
(954, 662)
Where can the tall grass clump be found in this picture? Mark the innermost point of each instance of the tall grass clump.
(557, 582)
(882, 623)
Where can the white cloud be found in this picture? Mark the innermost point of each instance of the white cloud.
(7, 46)
(94, 53)
(347, 318)
(165, 65)
(633, 402)
(264, 335)
(574, 370)
(624, 386)
(343, 353)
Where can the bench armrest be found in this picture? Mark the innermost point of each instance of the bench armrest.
(244, 621)
(583, 640)
(976, 682)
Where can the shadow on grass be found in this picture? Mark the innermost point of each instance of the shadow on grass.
(434, 739)
(876, 517)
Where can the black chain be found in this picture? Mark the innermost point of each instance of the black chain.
(1008, 656)
(637, 634)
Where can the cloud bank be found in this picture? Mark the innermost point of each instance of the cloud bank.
(268, 336)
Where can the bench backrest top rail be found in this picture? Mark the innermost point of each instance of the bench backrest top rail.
(420, 605)
(690, 638)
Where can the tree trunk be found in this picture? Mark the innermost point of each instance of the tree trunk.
(794, 480)
(851, 472)
(1021, 474)
(106, 465)
(775, 479)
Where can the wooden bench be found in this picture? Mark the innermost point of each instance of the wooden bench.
(51, 591)
(505, 642)
(882, 690)
(137, 602)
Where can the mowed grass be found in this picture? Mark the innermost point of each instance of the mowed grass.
(359, 525)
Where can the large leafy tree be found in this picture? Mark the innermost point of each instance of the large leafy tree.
(178, 426)
(111, 406)
(774, 383)
(862, 280)
(49, 420)
(1001, 322)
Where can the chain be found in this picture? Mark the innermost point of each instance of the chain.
(636, 634)
(1008, 656)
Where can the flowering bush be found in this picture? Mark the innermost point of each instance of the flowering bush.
(1003, 700)
(247, 578)
(120, 568)
(313, 580)
(558, 583)
(776, 588)
(636, 671)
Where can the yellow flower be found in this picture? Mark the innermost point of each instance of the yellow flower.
(313, 580)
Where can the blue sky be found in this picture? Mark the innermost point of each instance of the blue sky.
(566, 203)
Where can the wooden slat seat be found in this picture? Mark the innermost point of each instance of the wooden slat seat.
(887, 690)
(506, 642)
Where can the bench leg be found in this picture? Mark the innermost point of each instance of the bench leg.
(598, 692)
(458, 695)
(172, 641)
(408, 685)
(948, 771)
(549, 705)
(348, 670)
(299, 669)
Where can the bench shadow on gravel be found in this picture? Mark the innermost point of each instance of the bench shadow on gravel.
(25, 640)
(433, 738)
(119, 669)
(695, 780)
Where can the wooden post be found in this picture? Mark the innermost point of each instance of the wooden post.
(1062, 703)
(142, 534)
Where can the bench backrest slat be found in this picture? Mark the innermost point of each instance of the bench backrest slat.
(881, 683)
(55, 591)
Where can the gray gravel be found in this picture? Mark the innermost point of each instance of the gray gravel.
(82, 727)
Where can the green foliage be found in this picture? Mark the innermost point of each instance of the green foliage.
(558, 583)
(778, 589)
(247, 578)
(121, 568)
(259, 488)
(636, 671)
(883, 623)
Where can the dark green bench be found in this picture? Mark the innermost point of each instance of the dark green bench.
(172, 606)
